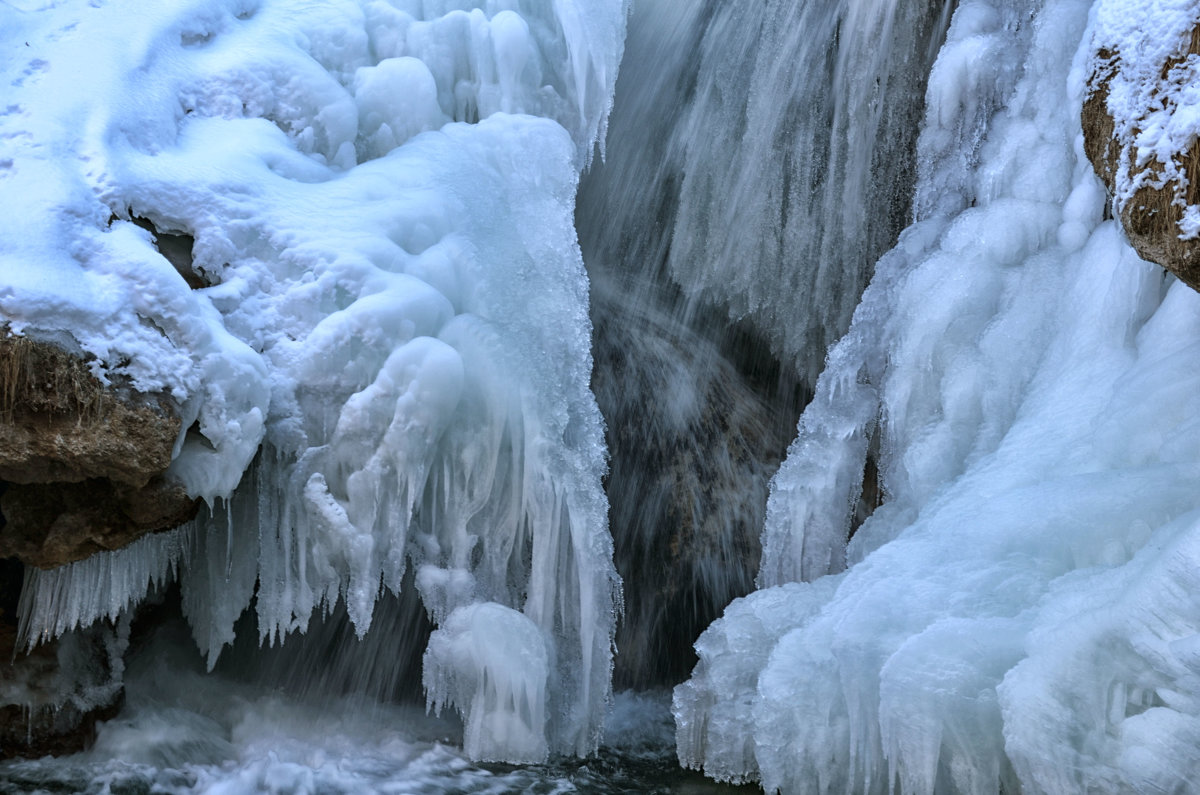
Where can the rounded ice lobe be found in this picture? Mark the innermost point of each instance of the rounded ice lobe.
(397, 99)
(491, 663)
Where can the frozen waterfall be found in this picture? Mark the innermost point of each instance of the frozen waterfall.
(1019, 614)
(386, 366)
(856, 329)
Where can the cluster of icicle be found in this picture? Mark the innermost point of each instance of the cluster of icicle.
(390, 365)
(1021, 614)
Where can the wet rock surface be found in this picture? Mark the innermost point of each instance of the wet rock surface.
(694, 443)
(52, 696)
(58, 523)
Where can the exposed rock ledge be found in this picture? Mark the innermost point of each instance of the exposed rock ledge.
(1155, 186)
(84, 463)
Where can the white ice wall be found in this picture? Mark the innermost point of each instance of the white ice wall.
(1020, 613)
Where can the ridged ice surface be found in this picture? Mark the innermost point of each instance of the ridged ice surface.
(394, 328)
(1020, 614)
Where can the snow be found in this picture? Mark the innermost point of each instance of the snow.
(391, 358)
(1019, 614)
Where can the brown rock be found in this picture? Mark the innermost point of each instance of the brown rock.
(83, 462)
(56, 523)
(59, 423)
(1152, 214)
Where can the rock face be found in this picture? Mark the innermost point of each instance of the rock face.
(1153, 197)
(52, 697)
(694, 442)
(83, 463)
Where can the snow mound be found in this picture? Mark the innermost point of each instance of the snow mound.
(393, 320)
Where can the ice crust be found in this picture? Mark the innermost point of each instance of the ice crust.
(1020, 614)
(394, 343)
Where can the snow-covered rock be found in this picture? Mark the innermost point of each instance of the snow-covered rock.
(1141, 120)
(83, 462)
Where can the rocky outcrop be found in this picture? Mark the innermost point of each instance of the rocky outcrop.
(83, 463)
(1156, 193)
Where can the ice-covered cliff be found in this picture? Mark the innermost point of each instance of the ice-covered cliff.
(1021, 612)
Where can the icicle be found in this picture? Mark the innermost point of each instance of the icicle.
(102, 586)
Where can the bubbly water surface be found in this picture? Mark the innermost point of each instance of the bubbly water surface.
(211, 735)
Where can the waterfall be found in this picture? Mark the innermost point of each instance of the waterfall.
(392, 404)
(761, 157)
(806, 343)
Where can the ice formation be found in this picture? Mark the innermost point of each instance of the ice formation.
(1020, 614)
(493, 662)
(390, 359)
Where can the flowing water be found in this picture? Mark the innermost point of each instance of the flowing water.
(760, 159)
(324, 713)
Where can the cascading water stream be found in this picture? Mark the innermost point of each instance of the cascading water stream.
(760, 158)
